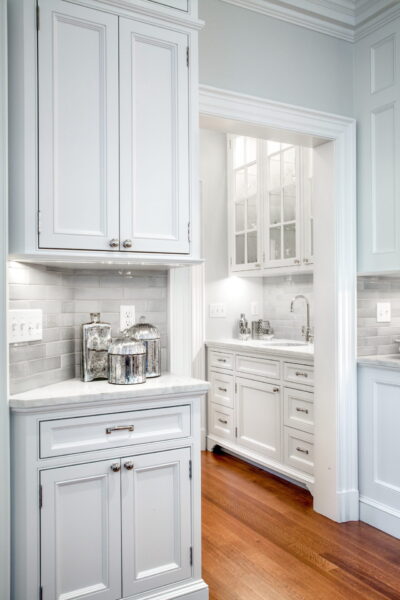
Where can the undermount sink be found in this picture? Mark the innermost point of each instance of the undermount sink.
(284, 343)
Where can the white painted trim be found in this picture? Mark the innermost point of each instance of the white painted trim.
(4, 415)
(347, 20)
(380, 515)
(337, 461)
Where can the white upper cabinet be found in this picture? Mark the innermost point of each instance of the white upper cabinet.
(377, 96)
(103, 130)
(270, 206)
(154, 122)
(78, 127)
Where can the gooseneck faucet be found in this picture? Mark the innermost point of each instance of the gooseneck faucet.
(306, 331)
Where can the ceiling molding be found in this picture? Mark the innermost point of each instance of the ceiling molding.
(348, 20)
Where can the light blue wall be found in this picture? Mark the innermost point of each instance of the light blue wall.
(247, 52)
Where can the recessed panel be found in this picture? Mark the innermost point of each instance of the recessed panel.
(383, 64)
(386, 447)
(383, 132)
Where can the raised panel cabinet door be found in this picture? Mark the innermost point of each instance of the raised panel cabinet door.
(156, 520)
(154, 138)
(81, 532)
(78, 127)
(259, 419)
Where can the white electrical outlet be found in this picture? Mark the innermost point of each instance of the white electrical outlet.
(218, 310)
(383, 312)
(126, 317)
(254, 309)
(25, 325)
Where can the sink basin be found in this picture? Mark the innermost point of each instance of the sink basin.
(284, 343)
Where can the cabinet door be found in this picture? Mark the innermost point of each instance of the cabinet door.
(78, 127)
(282, 206)
(81, 532)
(307, 209)
(259, 417)
(244, 202)
(156, 520)
(154, 131)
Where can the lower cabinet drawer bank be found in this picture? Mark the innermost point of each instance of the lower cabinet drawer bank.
(263, 411)
(106, 499)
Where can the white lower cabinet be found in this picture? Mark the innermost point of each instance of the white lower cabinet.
(108, 522)
(262, 408)
(259, 417)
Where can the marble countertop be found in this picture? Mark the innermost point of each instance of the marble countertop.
(389, 361)
(302, 352)
(75, 391)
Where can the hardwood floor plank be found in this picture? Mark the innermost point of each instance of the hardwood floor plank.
(262, 540)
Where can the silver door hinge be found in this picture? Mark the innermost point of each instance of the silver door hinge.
(191, 555)
(41, 593)
(187, 56)
(263, 256)
(40, 496)
(39, 222)
(190, 469)
(189, 231)
(236, 387)
(236, 432)
(37, 17)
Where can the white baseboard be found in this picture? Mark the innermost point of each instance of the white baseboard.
(349, 505)
(380, 516)
(197, 590)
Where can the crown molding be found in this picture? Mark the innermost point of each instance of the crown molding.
(347, 20)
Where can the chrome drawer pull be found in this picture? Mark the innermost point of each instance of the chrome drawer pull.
(115, 467)
(221, 359)
(223, 421)
(301, 374)
(302, 450)
(275, 389)
(120, 428)
(222, 389)
(303, 410)
(129, 465)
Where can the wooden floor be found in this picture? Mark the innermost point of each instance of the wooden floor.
(262, 541)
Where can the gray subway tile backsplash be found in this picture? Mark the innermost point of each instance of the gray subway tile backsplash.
(66, 297)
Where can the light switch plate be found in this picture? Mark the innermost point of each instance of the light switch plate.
(254, 308)
(25, 325)
(218, 310)
(383, 312)
(126, 316)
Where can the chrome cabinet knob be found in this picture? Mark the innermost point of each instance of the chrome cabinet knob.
(305, 261)
(114, 243)
(296, 261)
(276, 389)
(127, 243)
(129, 465)
(115, 467)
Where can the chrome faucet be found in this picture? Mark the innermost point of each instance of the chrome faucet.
(305, 330)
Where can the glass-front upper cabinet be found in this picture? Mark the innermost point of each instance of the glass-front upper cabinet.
(307, 202)
(282, 205)
(244, 202)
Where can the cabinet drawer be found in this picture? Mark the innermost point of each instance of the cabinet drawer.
(260, 367)
(298, 373)
(220, 360)
(221, 422)
(299, 409)
(299, 449)
(83, 434)
(222, 389)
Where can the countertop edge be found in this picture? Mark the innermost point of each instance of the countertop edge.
(236, 346)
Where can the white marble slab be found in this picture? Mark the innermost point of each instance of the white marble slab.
(388, 361)
(74, 391)
(303, 352)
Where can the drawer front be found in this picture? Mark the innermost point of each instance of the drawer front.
(299, 450)
(222, 389)
(298, 409)
(220, 360)
(295, 373)
(221, 421)
(83, 434)
(260, 367)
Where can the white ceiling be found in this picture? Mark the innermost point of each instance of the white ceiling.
(345, 19)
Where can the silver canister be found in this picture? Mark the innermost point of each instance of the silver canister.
(126, 361)
(150, 336)
(96, 339)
